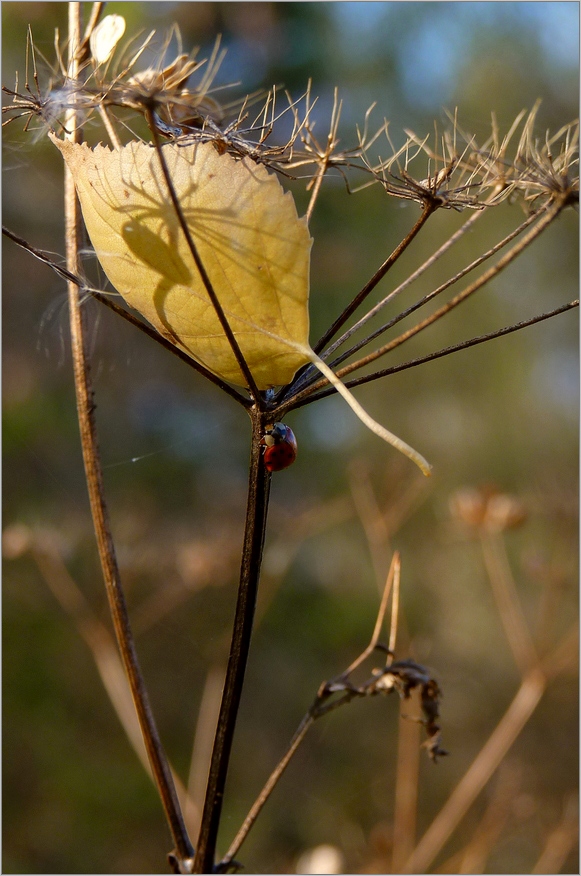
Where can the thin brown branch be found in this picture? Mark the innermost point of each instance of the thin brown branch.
(85, 407)
(407, 282)
(265, 794)
(152, 333)
(256, 514)
(235, 347)
(478, 774)
(304, 727)
(561, 841)
(509, 608)
(477, 851)
(103, 648)
(305, 397)
(392, 580)
(549, 216)
(426, 298)
(312, 392)
(406, 782)
(84, 51)
(379, 275)
(108, 301)
(202, 747)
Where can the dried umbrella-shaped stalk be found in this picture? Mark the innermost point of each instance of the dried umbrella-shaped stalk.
(461, 175)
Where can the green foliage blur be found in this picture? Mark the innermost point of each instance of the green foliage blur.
(175, 454)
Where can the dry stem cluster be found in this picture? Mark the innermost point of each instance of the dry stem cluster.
(92, 93)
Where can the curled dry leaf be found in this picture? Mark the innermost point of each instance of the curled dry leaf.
(250, 239)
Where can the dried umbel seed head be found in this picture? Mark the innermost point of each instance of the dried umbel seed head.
(487, 509)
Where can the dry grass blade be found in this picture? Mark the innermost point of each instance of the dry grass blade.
(406, 782)
(561, 840)
(509, 608)
(484, 765)
(42, 546)
(202, 747)
(476, 853)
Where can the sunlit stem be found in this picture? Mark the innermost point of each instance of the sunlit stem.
(85, 407)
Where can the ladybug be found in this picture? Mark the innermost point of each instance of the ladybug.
(280, 447)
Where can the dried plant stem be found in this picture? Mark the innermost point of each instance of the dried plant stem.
(154, 335)
(406, 782)
(84, 50)
(203, 743)
(379, 275)
(468, 225)
(318, 182)
(549, 216)
(320, 389)
(464, 345)
(266, 791)
(561, 841)
(392, 581)
(509, 608)
(256, 514)
(235, 347)
(85, 407)
(103, 647)
(486, 762)
(108, 301)
(308, 720)
(305, 398)
(438, 291)
(476, 852)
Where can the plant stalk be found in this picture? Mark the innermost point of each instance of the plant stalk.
(256, 514)
(90, 448)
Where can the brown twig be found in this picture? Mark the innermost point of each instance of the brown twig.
(379, 275)
(85, 407)
(203, 741)
(549, 216)
(484, 765)
(403, 676)
(561, 840)
(102, 645)
(234, 345)
(108, 301)
(305, 397)
(426, 298)
(509, 608)
(406, 782)
(256, 513)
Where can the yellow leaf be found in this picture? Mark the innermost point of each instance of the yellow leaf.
(251, 242)
(250, 239)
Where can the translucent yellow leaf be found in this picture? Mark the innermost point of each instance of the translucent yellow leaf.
(251, 241)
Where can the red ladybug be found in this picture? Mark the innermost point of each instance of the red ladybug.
(280, 447)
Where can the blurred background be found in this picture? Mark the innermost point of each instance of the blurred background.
(502, 416)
